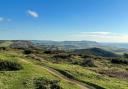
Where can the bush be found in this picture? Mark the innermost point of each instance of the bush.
(88, 62)
(43, 83)
(125, 55)
(27, 51)
(9, 66)
(120, 61)
(115, 73)
(3, 48)
(54, 85)
(48, 52)
(54, 51)
(62, 56)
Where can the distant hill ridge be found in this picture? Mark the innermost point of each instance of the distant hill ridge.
(69, 44)
(64, 45)
(95, 52)
(118, 48)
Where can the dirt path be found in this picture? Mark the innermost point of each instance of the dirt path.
(56, 73)
(59, 75)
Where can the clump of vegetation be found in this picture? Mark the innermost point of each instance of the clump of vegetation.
(28, 51)
(43, 83)
(85, 56)
(3, 48)
(54, 51)
(120, 61)
(125, 55)
(114, 73)
(88, 62)
(9, 66)
(85, 61)
(62, 57)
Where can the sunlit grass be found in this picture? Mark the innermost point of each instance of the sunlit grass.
(16, 79)
(84, 74)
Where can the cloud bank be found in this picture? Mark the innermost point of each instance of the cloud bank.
(101, 36)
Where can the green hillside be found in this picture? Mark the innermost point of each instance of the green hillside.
(5, 43)
(27, 66)
(24, 78)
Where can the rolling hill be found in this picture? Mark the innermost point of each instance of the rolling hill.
(95, 52)
(24, 65)
(118, 48)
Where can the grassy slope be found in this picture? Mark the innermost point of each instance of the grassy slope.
(86, 75)
(15, 79)
(5, 44)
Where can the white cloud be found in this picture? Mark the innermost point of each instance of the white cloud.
(2, 19)
(96, 33)
(33, 13)
(101, 36)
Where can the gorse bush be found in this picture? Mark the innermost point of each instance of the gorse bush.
(115, 73)
(88, 62)
(54, 84)
(125, 55)
(54, 51)
(3, 48)
(120, 61)
(62, 56)
(28, 51)
(9, 66)
(43, 83)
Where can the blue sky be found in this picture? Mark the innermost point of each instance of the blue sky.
(96, 20)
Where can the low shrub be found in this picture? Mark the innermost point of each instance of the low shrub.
(62, 57)
(43, 83)
(125, 55)
(119, 61)
(88, 62)
(27, 51)
(9, 66)
(3, 48)
(54, 51)
(114, 73)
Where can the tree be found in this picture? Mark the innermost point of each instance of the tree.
(125, 55)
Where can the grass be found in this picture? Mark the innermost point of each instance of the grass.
(6, 44)
(23, 79)
(90, 77)
(87, 76)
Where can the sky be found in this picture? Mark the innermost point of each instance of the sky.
(94, 20)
